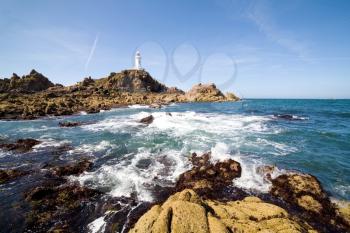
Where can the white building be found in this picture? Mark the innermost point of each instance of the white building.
(137, 65)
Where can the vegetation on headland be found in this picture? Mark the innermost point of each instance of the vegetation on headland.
(33, 96)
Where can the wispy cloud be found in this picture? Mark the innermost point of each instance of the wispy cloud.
(92, 51)
(259, 13)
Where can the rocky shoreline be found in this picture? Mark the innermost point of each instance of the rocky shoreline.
(33, 96)
(204, 199)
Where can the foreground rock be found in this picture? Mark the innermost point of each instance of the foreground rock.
(72, 169)
(207, 176)
(10, 174)
(187, 212)
(57, 205)
(21, 145)
(305, 192)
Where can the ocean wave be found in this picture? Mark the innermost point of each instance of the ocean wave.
(137, 174)
(91, 148)
(49, 143)
(138, 106)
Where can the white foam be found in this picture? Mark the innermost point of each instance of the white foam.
(90, 148)
(138, 106)
(220, 152)
(83, 113)
(50, 142)
(97, 226)
(129, 177)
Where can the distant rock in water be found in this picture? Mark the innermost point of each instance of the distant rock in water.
(288, 117)
(33, 82)
(205, 93)
(147, 120)
(67, 124)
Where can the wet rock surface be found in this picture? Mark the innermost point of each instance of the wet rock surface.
(11, 174)
(147, 120)
(67, 124)
(21, 145)
(186, 212)
(207, 177)
(57, 205)
(72, 169)
(305, 192)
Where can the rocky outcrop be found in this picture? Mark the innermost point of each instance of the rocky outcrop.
(305, 192)
(208, 177)
(33, 82)
(72, 169)
(11, 174)
(186, 212)
(147, 120)
(204, 93)
(33, 96)
(132, 81)
(21, 145)
(56, 207)
(56, 204)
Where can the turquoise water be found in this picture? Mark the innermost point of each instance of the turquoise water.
(131, 158)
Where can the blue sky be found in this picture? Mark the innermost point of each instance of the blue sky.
(259, 49)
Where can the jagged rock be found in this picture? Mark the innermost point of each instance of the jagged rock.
(133, 81)
(155, 105)
(305, 191)
(11, 174)
(266, 171)
(91, 95)
(72, 169)
(205, 175)
(33, 82)
(232, 97)
(186, 212)
(87, 82)
(21, 145)
(55, 206)
(147, 120)
(205, 93)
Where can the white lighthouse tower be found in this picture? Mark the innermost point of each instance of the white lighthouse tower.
(138, 61)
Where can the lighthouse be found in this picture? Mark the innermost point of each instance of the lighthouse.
(138, 61)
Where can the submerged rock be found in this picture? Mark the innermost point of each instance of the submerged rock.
(21, 145)
(57, 208)
(11, 174)
(147, 120)
(186, 212)
(69, 124)
(207, 176)
(72, 169)
(287, 117)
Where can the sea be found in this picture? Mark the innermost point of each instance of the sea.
(309, 136)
